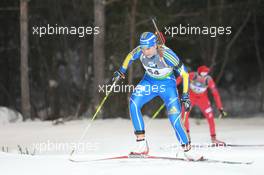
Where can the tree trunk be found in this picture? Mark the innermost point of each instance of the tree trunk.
(208, 40)
(82, 105)
(98, 50)
(25, 93)
(216, 40)
(132, 28)
(260, 62)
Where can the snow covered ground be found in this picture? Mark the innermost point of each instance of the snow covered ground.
(114, 137)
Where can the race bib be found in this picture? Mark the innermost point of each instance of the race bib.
(198, 87)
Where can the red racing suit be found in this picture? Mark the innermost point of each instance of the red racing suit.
(199, 86)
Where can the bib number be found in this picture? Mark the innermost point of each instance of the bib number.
(153, 72)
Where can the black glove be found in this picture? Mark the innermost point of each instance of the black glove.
(117, 76)
(222, 113)
(186, 102)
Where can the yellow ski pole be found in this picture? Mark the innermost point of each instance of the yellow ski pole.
(94, 116)
(158, 111)
(184, 117)
(155, 114)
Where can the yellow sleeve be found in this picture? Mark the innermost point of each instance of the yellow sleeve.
(126, 61)
(133, 55)
(185, 77)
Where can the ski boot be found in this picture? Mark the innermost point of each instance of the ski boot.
(141, 147)
(190, 154)
(217, 142)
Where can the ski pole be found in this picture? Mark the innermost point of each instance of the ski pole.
(184, 117)
(94, 116)
(156, 114)
(160, 37)
(158, 111)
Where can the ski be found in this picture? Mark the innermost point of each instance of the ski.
(205, 160)
(228, 145)
(245, 145)
(211, 145)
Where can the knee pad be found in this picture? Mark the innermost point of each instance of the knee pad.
(208, 110)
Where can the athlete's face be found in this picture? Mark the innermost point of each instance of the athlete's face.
(203, 74)
(149, 52)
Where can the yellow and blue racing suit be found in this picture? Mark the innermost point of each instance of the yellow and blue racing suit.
(159, 80)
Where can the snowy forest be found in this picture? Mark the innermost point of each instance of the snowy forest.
(53, 76)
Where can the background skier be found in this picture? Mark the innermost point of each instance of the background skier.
(200, 82)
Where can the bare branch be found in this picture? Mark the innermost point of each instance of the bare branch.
(229, 45)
